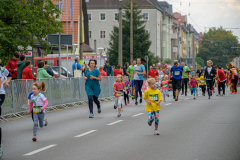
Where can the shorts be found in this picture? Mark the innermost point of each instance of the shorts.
(132, 85)
(176, 83)
(152, 116)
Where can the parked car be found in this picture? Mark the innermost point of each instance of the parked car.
(64, 71)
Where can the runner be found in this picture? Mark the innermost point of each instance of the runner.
(153, 97)
(177, 74)
(234, 78)
(38, 104)
(158, 83)
(222, 80)
(185, 80)
(139, 72)
(131, 78)
(126, 98)
(193, 85)
(203, 83)
(119, 88)
(92, 86)
(210, 73)
(165, 87)
(153, 72)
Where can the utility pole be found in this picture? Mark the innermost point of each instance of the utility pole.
(81, 41)
(131, 34)
(193, 55)
(171, 51)
(120, 38)
(161, 41)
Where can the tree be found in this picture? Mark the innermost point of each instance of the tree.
(21, 20)
(141, 42)
(216, 46)
(167, 61)
(200, 61)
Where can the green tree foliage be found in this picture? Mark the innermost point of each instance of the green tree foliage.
(200, 61)
(167, 61)
(141, 42)
(216, 46)
(22, 19)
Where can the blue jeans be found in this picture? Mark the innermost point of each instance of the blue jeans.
(37, 117)
(194, 91)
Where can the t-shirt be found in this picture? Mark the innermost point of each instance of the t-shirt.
(119, 87)
(221, 74)
(198, 81)
(126, 86)
(209, 70)
(177, 72)
(153, 73)
(130, 71)
(186, 69)
(165, 85)
(117, 71)
(203, 81)
(3, 73)
(139, 69)
(158, 85)
(38, 102)
(153, 96)
(199, 72)
(92, 86)
(193, 83)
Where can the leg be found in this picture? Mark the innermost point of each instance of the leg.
(140, 88)
(208, 86)
(35, 124)
(186, 84)
(41, 118)
(125, 97)
(219, 87)
(116, 101)
(2, 98)
(136, 89)
(96, 101)
(194, 91)
(183, 84)
(150, 118)
(90, 103)
(156, 120)
(119, 104)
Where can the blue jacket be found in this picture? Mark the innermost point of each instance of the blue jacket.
(108, 70)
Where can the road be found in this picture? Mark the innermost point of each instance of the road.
(190, 129)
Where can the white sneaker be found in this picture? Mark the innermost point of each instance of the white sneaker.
(1, 151)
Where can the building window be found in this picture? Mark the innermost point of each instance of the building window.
(102, 34)
(90, 34)
(116, 16)
(145, 16)
(89, 16)
(102, 16)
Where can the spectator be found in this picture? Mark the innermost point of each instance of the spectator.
(27, 72)
(12, 65)
(20, 66)
(153, 72)
(76, 65)
(125, 69)
(108, 69)
(103, 73)
(41, 72)
(118, 71)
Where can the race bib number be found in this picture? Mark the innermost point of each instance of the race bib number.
(126, 87)
(119, 93)
(203, 80)
(177, 73)
(153, 97)
(37, 109)
(165, 85)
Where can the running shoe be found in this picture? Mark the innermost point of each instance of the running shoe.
(45, 121)
(221, 95)
(125, 104)
(99, 110)
(149, 123)
(136, 103)
(164, 100)
(168, 95)
(185, 93)
(156, 132)
(176, 99)
(91, 115)
(217, 95)
(1, 151)
(231, 92)
(34, 139)
(140, 100)
(194, 97)
(119, 115)
(182, 94)
(115, 107)
(128, 102)
(209, 97)
(133, 97)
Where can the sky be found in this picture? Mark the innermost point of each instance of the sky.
(210, 13)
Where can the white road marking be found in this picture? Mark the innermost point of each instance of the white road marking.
(39, 150)
(186, 98)
(168, 104)
(86, 133)
(114, 122)
(137, 114)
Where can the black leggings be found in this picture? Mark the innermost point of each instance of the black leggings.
(2, 98)
(138, 84)
(92, 98)
(126, 97)
(184, 83)
(0, 136)
(203, 89)
(221, 84)
(209, 86)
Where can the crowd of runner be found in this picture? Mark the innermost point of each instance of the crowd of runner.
(129, 82)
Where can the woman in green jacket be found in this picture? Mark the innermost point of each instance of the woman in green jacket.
(41, 72)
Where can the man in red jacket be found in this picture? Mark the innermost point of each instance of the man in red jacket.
(27, 72)
(153, 72)
(12, 65)
(222, 80)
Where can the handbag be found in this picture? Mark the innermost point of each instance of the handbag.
(77, 73)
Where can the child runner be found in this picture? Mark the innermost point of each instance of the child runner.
(193, 84)
(203, 84)
(158, 83)
(38, 104)
(118, 89)
(165, 87)
(153, 97)
(127, 89)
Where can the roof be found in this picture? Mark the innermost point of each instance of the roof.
(87, 48)
(167, 8)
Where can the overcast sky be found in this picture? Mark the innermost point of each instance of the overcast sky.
(210, 13)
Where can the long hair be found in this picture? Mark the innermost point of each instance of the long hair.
(119, 75)
(142, 60)
(40, 86)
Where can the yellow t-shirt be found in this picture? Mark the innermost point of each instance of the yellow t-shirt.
(153, 96)
(203, 81)
(198, 80)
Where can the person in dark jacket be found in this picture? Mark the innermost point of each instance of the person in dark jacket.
(20, 66)
(12, 65)
(108, 69)
(210, 73)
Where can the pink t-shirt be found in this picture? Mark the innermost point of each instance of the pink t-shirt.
(193, 83)
(165, 85)
(120, 88)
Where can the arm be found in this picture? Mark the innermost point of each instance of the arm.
(148, 101)
(143, 73)
(28, 103)
(170, 74)
(46, 74)
(31, 76)
(114, 89)
(111, 71)
(31, 107)
(45, 105)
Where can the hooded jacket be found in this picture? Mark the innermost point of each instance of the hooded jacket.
(207, 75)
(11, 65)
(42, 73)
(20, 66)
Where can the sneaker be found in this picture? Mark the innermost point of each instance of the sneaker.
(122, 109)
(164, 100)
(176, 99)
(223, 95)
(149, 123)
(128, 102)
(168, 95)
(133, 97)
(34, 139)
(156, 132)
(1, 151)
(119, 115)
(194, 97)
(209, 97)
(115, 107)
(217, 95)
(136, 103)
(140, 100)
(185, 93)
(182, 94)
(91, 115)
(99, 110)
(46, 122)
(231, 92)
(203, 94)
(125, 104)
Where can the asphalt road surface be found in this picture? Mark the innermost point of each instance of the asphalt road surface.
(190, 129)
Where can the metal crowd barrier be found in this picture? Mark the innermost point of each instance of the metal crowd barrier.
(61, 93)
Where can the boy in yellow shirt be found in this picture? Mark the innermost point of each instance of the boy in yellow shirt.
(153, 97)
(203, 84)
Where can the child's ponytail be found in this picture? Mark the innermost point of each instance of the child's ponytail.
(43, 87)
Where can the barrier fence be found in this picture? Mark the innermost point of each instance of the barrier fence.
(61, 93)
